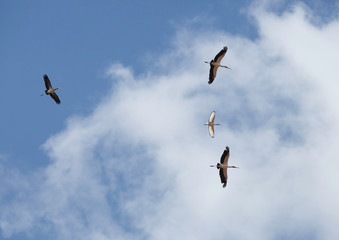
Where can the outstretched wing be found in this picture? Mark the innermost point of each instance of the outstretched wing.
(55, 97)
(47, 82)
(211, 131)
(212, 116)
(220, 55)
(213, 73)
(223, 175)
(225, 155)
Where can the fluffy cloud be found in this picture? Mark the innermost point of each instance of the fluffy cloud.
(137, 167)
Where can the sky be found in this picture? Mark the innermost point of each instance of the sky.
(126, 154)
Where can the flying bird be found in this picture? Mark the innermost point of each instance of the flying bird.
(215, 64)
(223, 165)
(211, 124)
(50, 90)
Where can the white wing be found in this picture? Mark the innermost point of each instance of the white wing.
(211, 119)
(211, 131)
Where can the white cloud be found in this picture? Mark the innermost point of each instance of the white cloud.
(137, 167)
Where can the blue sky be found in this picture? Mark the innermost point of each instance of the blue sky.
(74, 43)
(114, 159)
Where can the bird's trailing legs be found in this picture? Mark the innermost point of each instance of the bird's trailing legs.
(225, 67)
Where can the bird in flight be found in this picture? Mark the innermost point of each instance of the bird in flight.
(50, 90)
(211, 124)
(215, 64)
(223, 165)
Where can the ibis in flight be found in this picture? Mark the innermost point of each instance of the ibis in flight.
(223, 165)
(50, 90)
(211, 124)
(215, 64)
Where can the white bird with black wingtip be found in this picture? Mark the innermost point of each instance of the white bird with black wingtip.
(223, 165)
(215, 64)
(50, 90)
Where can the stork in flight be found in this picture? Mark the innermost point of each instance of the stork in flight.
(223, 165)
(50, 90)
(211, 124)
(215, 64)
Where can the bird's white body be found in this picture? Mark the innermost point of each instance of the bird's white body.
(223, 166)
(51, 90)
(217, 64)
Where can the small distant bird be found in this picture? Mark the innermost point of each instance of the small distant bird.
(50, 90)
(215, 64)
(211, 124)
(223, 165)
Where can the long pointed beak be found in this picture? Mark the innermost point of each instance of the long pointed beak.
(228, 67)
